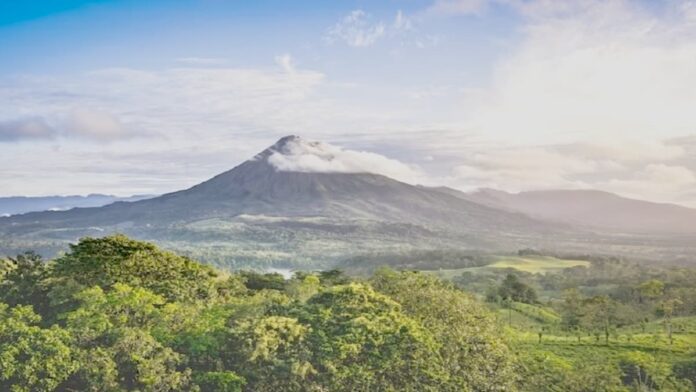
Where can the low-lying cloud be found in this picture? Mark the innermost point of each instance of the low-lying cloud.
(30, 128)
(80, 124)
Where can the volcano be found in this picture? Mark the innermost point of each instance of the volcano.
(258, 187)
(297, 202)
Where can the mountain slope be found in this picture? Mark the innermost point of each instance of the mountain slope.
(591, 208)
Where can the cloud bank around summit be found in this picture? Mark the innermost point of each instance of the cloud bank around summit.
(299, 155)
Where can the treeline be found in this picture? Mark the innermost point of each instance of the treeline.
(114, 314)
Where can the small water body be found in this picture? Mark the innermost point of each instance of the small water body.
(286, 272)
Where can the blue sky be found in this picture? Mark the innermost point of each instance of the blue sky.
(151, 96)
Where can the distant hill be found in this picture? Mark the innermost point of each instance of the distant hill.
(22, 204)
(590, 208)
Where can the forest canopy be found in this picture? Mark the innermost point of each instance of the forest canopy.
(116, 314)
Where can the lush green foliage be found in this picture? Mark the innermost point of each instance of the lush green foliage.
(116, 314)
(122, 315)
(118, 259)
(610, 326)
(32, 358)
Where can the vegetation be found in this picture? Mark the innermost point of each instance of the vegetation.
(610, 326)
(115, 314)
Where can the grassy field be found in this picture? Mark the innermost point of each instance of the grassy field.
(531, 264)
(536, 264)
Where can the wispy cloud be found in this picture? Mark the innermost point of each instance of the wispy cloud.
(356, 29)
(359, 29)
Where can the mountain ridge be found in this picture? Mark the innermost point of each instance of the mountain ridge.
(593, 208)
(13, 205)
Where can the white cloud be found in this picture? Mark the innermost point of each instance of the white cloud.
(206, 120)
(402, 22)
(286, 62)
(116, 102)
(653, 171)
(658, 182)
(625, 150)
(95, 124)
(25, 129)
(82, 124)
(524, 168)
(299, 155)
(589, 68)
(356, 29)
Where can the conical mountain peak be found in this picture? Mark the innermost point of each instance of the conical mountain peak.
(295, 145)
(283, 142)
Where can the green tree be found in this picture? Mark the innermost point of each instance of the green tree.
(666, 309)
(255, 281)
(644, 373)
(219, 382)
(25, 283)
(650, 290)
(273, 354)
(572, 309)
(512, 288)
(333, 277)
(594, 376)
(32, 359)
(600, 315)
(360, 340)
(470, 344)
(118, 259)
(302, 288)
(5, 267)
(346, 338)
(117, 351)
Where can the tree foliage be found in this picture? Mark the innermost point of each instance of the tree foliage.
(115, 314)
(118, 259)
(32, 358)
